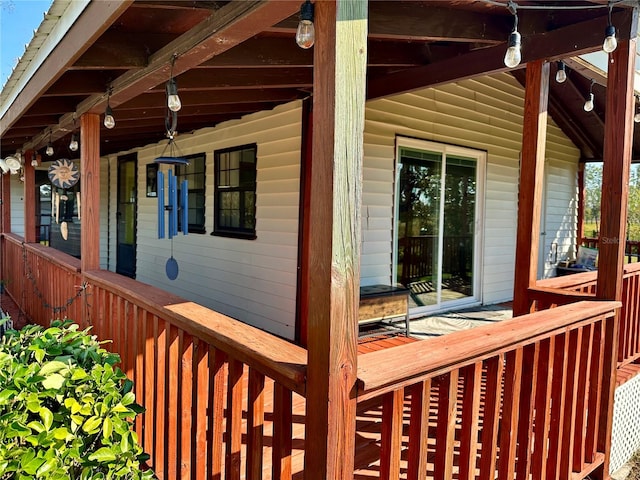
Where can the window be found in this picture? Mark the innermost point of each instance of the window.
(235, 192)
(194, 173)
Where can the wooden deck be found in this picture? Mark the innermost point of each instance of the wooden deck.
(438, 408)
(382, 342)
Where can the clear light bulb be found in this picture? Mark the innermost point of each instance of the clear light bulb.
(513, 56)
(306, 34)
(610, 43)
(173, 102)
(109, 121)
(561, 76)
(588, 105)
(49, 151)
(636, 117)
(73, 144)
(34, 162)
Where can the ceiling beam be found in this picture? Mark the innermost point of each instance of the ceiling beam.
(576, 39)
(179, 4)
(586, 69)
(121, 50)
(410, 21)
(215, 97)
(234, 78)
(187, 111)
(283, 52)
(393, 19)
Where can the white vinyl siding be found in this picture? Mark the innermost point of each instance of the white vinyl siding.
(560, 215)
(108, 197)
(484, 113)
(251, 280)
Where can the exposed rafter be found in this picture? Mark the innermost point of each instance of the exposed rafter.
(576, 39)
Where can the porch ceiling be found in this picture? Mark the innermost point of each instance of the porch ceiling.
(238, 57)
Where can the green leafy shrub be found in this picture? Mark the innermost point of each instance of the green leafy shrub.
(65, 409)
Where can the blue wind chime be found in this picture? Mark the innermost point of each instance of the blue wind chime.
(172, 206)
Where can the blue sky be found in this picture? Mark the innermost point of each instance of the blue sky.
(18, 20)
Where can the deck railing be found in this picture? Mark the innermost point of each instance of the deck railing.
(418, 255)
(632, 247)
(512, 402)
(219, 394)
(225, 400)
(569, 288)
(44, 282)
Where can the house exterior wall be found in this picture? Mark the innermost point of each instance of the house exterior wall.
(255, 280)
(252, 280)
(485, 113)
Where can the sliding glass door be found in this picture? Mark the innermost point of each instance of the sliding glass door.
(437, 223)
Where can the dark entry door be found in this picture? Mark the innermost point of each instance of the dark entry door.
(126, 215)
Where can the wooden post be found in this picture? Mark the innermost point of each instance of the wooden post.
(581, 202)
(534, 137)
(90, 191)
(618, 144)
(334, 229)
(29, 198)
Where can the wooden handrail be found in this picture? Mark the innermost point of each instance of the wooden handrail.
(568, 282)
(272, 356)
(385, 370)
(57, 257)
(631, 268)
(558, 296)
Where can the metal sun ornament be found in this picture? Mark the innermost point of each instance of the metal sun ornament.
(63, 173)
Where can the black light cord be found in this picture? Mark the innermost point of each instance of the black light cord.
(611, 4)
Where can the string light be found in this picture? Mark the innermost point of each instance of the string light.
(49, 150)
(34, 159)
(636, 117)
(588, 105)
(513, 55)
(306, 33)
(173, 100)
(561, 74)
(500, 3)
(610, 43)
(109, 121)
(73, 144)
